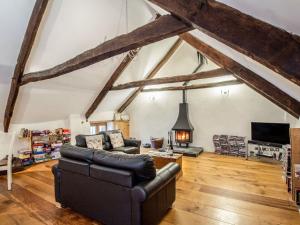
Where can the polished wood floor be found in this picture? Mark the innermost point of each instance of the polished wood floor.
(214, 189)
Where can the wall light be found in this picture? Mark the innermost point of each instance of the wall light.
(225, 91)
(152, 96)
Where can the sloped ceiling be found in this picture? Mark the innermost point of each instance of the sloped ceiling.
(185, 61)
(70, 27)
(284, 15)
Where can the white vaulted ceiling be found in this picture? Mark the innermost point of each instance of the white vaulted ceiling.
(70, 27)
(284, 15)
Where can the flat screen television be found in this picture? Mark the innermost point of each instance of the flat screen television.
(271, 132)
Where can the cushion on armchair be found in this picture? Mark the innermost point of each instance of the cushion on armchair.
(95, 141)
(116, 140)
(81, 140)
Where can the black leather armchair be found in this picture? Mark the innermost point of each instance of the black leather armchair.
(116, 189)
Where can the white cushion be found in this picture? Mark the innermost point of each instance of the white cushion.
(116, 140)
(94, 142)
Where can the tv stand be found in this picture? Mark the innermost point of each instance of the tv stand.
(264, 149)
(275, 145)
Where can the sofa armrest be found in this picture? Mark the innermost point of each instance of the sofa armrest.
(57, 174)
(132, 142)
(145, 190)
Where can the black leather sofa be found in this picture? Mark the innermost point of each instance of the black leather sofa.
(114, 188)
(131, 146)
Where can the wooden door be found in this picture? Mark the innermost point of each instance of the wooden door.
(295, 144)
(123, 126)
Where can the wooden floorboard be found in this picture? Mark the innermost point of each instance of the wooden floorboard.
(268, 201)
(213, 190)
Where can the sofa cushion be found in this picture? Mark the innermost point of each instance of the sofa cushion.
(74, 166)
(127, 149)
(108, 138)
(116, 140)
(141, 165)
(95, 142)
(80, 141)
(78, 153)
(112, 175)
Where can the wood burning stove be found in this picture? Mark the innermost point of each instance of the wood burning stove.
(183, 136)
(183, 127)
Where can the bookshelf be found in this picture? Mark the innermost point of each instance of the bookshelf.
(42, 145)
(287, 167)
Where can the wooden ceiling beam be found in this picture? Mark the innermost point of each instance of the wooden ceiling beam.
(172, 79)
(28, 40)
(162, 28)
(253, 80)
(116, 74)
(263, 42)
(194, 86)
(152, 73)
(109, 84)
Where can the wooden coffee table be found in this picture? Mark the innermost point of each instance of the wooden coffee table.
(162, 160)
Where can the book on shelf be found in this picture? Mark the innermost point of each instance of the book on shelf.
(25, 155)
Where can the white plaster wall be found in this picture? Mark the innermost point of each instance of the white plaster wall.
(154, 114)
(78, 125)
(297, 124)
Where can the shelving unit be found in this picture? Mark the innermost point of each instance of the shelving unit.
(266, 150)
(25, 155)
(43, 145)
(229, 145)
(287, 167)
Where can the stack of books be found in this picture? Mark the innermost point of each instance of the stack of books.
(55, 153)
(25, 157)
(40, 147)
